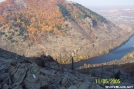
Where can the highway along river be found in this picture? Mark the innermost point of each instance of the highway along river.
(117, 54)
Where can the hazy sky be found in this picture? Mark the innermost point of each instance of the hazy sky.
(105, 2)
(96, 3)
(2, 0)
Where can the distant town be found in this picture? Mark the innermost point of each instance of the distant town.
(123, 16)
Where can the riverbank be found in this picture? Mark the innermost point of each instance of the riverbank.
(129, 58)
(87, 56)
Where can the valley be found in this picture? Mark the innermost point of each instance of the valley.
(60, 44)
(27, 28)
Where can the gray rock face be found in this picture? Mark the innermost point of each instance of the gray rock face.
(25, 75)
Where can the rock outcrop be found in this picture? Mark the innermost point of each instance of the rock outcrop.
(16, 74)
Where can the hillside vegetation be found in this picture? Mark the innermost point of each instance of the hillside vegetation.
(57, 28)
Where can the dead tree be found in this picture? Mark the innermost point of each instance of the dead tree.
(72, 63)
(62, 69)
(113, 70)
(101, 70)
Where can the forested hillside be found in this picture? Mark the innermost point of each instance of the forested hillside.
(57, 28)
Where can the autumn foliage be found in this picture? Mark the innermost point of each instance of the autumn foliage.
(38, 16)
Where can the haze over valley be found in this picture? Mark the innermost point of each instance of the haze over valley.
(119, 15)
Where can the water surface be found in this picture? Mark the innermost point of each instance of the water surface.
(117, 54)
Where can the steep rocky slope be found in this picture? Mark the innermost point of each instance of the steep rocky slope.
(57, 28)
(19, 72)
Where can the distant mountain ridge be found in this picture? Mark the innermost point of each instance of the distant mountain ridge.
(57, 28)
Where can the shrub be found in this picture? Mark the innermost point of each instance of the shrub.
(63, 10)
(51, 32)
(25, 37)
(82, 16)
(58, 27)
(9, 38)
(2, 33)
(117, 75)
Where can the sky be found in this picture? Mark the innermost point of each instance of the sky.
(96, 3)
(2, 0)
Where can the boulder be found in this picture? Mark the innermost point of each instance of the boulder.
(65, 82)
(99, 87)
(20, 74)
(57, 79)
(44, 80)
(31, 85)
(0, 86)
(45, 87)
(73, 87)
(13, 69)
(43, 56)
(5, 86)
(62, 87)
(39, 62)
(5, 56)
(85, 85)
(4, 76)
(95, 86)
(49, 58)
(46, 72)
(18, 87)
(4, 67)
(33, 73)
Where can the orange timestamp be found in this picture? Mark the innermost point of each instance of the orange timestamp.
(108, 81)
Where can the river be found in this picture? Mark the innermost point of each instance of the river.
(117, 54)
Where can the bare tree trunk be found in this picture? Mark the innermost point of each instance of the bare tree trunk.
(102, 70)
(113, 70)
(62, 69)
(72, 63)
